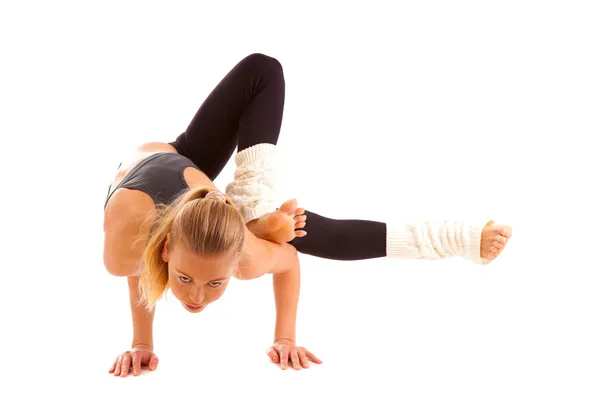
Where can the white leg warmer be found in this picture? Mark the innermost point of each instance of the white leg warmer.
(435, 240)
(253, 189)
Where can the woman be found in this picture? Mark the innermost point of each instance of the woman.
(168, 227)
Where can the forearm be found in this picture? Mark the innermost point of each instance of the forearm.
(142, 318)
(262, 256)
(286, 288)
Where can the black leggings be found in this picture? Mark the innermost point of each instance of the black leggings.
(245, 109)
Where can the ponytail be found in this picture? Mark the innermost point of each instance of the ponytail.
(206, 225)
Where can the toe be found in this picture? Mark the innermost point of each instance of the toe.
(501, 230)
(498, 245)
(289, 206)
(300, 224)
(300, 218)
(300, 233)
(493, 253)
(300, 211)
(505, 231)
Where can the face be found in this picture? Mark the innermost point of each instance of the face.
(195, 280)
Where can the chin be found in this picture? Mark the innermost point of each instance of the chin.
(191, 308)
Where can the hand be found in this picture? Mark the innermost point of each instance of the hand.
(284, 350)
(134, 359)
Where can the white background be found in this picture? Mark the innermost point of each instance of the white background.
(402, 109)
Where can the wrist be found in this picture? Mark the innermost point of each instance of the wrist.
(284, 339)
(139, 344)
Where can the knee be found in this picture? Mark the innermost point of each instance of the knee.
(263, 63)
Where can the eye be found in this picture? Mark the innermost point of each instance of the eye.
(214, 284)
(185, 279)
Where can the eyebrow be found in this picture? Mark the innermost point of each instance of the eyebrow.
(212, 280)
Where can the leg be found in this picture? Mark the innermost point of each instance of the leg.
(244, 109)
(342, 239)
(480, 241)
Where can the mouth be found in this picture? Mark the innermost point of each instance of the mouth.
(192, 308)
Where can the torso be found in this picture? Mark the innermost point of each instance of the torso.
(127, 208)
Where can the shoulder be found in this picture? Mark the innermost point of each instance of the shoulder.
(126, 207)
(124, 225)
(260, 257)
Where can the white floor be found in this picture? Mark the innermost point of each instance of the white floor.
(426, 110)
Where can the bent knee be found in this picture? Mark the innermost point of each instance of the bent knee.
(264, 63)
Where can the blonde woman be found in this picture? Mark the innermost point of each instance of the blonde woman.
(167, 227)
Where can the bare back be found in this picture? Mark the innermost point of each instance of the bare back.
(127, 209)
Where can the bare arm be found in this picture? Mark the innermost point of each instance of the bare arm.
(282, 261)
(142, 318)
(122, 258)
(261, 257)
(142, 344)
(286, 287)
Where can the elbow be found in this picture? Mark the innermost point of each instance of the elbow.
(120, 268)
(114, 269)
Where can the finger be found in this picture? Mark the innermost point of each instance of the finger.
(300, 224)
(114, 364)
(294, 358)
(284, 354)
(136, 363)
(312, 357)
(273, 355)
(153, 364)
(303, 360)
(118, 365)
(125, 364)
(300, 211)
(300, 233)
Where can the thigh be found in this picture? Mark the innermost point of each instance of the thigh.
(210, 139)
(245, 108)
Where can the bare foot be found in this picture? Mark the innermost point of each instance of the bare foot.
(280, 225)
(493, 240)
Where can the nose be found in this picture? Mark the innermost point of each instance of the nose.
(196, 296)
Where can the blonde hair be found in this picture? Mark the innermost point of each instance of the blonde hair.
(208, 226)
